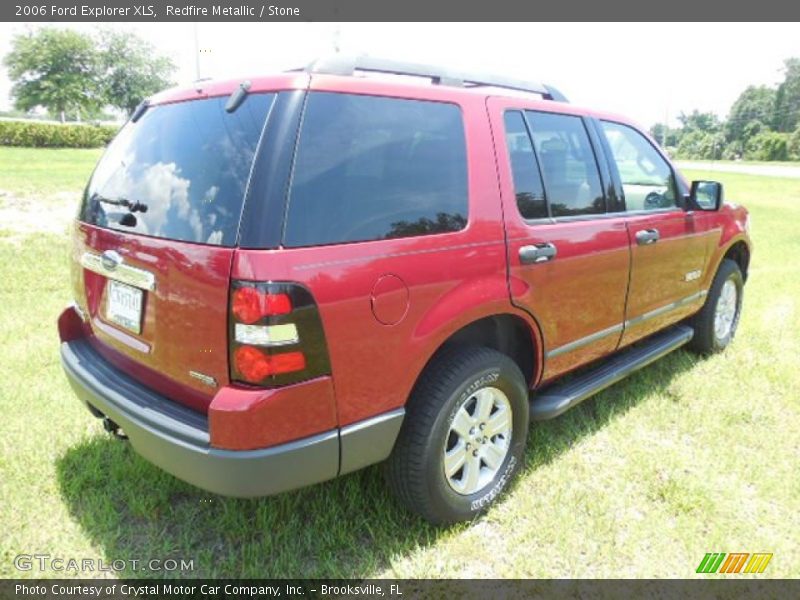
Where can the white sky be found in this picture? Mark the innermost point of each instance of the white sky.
(643, 70)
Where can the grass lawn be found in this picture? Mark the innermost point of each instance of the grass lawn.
(766, 163)
(686, 457)
(39, 172)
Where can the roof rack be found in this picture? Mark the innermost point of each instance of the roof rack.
(339, 64)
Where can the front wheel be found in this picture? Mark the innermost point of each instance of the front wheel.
(463, 435)
(715, 325)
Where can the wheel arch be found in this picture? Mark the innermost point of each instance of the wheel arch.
(739, 252)
(736, 248)
(508, 333)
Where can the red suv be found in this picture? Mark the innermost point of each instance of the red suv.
(283, 280)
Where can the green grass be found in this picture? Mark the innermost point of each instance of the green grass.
(40, 172)
(766, 163)
(685, 457)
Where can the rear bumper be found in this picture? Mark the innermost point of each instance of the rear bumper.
(177, 440)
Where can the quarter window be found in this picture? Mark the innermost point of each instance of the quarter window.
(571, 178)
(646, 177)
(371, 168)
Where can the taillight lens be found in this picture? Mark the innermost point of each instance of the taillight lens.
(255, 365)
(249, 304)
(276, 335)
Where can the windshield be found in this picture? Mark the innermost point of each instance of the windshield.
(180, 172)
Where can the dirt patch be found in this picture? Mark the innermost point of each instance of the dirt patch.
(23, 216)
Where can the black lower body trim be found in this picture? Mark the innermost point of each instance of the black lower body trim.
(176, 439)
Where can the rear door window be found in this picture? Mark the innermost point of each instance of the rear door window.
(371, 168)
(528, 186)
(180, 172)
(569, 168)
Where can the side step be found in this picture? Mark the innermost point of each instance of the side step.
(559, 397)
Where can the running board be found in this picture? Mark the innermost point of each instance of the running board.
(560, 397)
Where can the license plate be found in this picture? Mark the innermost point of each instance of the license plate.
(124, 305)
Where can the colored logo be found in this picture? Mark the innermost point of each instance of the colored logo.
(735, 562)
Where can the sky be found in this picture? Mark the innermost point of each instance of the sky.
(647, 71)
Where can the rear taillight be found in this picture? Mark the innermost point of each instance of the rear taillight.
(249, 304)
(276, 335)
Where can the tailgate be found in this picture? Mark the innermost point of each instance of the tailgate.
(161, 313)
(155, 237)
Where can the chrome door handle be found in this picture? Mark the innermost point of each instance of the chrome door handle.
(537, 253)
(647, 236)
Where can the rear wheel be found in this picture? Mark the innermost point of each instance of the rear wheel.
(715, 325)
(463, 436)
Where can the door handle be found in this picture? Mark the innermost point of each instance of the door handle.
(647, 236)
(537, 253)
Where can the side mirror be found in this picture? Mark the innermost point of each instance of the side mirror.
(706, 195)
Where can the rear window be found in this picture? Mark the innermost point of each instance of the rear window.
(180, 172)
(370, 168)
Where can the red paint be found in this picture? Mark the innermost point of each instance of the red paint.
(243, 419)
(380, 330)
(658, 270)
(70, 325)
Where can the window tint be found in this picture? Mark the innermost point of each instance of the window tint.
(370, 168)
(646, 177)
(180, 172)
(527, 180)
(569, 168)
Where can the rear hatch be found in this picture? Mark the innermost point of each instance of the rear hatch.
(155, 239)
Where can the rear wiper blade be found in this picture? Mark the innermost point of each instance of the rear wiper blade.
(134, 206)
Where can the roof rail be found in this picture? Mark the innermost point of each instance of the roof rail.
(342, 64)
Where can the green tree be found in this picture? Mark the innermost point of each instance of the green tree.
(666, 136)
(768, 145)
(787, 99)
(702, 145)
(53, 68)
(130, 69)
(700, 121)
(794, 145)
(751, 113)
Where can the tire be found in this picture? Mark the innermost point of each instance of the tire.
(447, 398)
(708, 337)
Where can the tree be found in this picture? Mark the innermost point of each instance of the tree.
(704, 145)
(53, 68)
(787, 98)
(794, 145)
(666, 136)
(130, 69)
(768, 145)
(751, 113)
(700, 121)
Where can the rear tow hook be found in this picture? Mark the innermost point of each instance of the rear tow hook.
(112, 428)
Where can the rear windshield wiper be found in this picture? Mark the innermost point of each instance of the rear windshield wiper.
(237, 97)
(139, 111)
(134, 206)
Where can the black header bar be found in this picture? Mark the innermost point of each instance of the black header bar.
(406, 10)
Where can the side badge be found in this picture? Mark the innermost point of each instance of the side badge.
(207, 379)
(692, 275)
